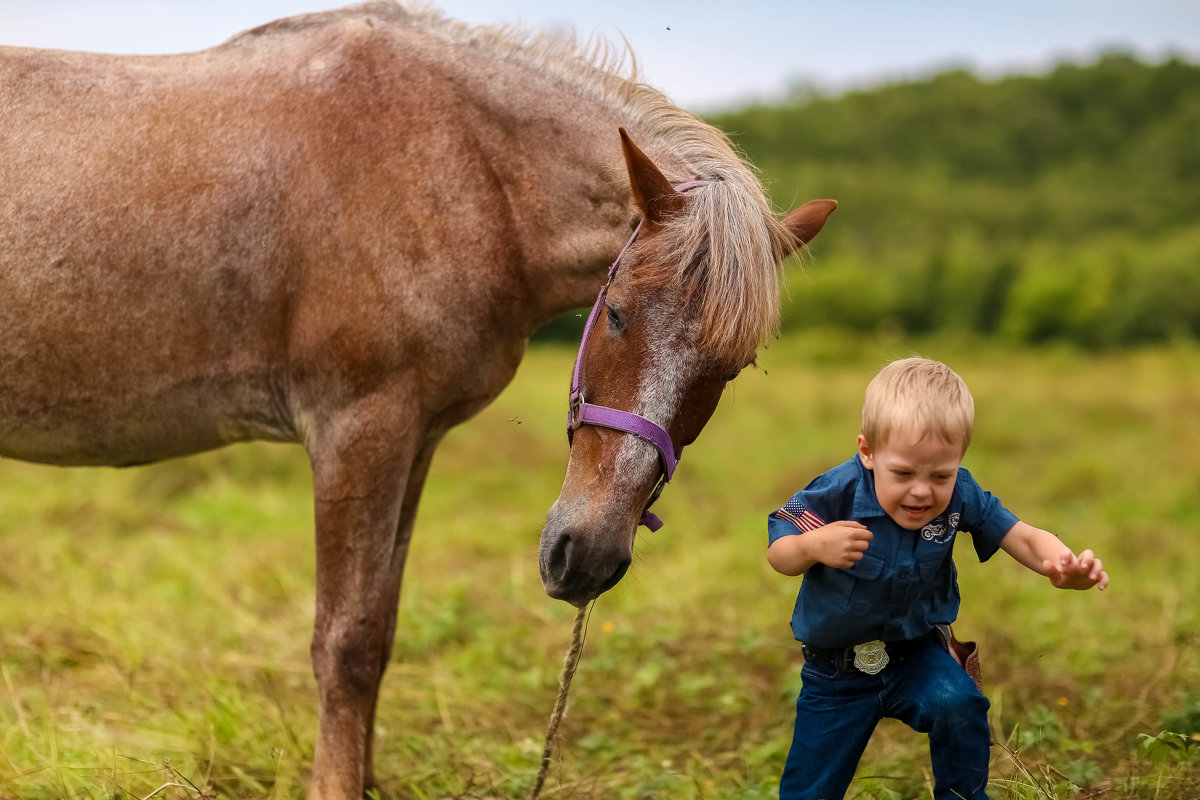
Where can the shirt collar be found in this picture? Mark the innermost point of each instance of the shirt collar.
(866, 504)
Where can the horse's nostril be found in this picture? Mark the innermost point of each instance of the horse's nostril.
(559, 560)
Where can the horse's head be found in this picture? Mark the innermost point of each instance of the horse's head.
(684, 311)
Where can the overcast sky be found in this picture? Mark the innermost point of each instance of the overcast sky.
(705, 54)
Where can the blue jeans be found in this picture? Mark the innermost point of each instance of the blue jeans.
(838, 710)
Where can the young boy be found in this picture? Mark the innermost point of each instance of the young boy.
(873, 539)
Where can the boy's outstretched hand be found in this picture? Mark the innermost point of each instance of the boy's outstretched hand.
(1045, 553)
(1076, 572)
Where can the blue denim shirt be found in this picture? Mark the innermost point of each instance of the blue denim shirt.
(906, 582)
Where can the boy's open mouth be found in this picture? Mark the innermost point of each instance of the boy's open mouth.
(915, 511)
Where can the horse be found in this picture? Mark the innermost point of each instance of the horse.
(340, 230)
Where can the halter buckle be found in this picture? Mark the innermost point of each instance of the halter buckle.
(575, 413)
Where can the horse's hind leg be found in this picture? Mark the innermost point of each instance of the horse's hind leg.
(361, 472)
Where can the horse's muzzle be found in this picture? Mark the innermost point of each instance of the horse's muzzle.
(578, 566)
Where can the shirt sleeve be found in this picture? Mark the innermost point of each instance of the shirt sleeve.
(807, 510)
(983, 515)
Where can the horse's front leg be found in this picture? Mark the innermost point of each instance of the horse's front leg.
(363, 469)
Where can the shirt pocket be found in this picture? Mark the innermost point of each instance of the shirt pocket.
(867, 568)
(928, 564)
(863, 593)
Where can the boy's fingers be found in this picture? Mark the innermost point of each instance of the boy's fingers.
(1057, 575)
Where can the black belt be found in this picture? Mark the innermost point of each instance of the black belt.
(843, 657)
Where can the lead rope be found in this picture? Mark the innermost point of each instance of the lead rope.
(578, 635)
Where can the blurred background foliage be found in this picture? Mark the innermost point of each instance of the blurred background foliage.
(1063, 206)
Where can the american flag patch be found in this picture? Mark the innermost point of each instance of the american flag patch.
(799, 515)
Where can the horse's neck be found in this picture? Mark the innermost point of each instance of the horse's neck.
(567, 187)
(570, 214)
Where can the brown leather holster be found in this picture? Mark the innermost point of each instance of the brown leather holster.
(965, 653)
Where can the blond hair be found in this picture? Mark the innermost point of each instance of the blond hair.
(919, 396)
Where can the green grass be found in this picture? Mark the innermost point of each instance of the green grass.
(155, 622)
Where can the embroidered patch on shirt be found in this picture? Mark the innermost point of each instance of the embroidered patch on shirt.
(942, 529)
(799, 515)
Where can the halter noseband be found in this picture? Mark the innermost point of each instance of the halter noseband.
(581, 412)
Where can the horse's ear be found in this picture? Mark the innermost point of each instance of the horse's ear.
(806, 221)
(651, 189)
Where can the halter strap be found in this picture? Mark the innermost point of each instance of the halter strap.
(580, 412)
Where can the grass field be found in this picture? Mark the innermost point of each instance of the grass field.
(154, 623)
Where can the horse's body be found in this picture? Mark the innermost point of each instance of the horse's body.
(339, 230)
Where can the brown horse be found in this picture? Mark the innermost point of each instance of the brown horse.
(340, 230)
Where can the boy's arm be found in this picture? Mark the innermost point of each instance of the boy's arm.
(1045, 554)
(838, 544)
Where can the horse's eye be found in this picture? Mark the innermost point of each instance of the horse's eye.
(616, 318)
(732, 375)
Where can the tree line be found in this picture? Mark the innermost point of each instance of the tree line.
(1061, 206)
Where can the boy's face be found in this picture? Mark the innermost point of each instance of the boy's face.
(914, 475)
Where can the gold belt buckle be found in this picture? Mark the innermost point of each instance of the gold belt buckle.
(871, 657)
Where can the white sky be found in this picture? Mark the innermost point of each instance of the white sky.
(705, 54)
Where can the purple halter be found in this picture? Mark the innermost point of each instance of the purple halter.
(580, 412)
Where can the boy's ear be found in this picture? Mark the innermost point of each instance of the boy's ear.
(864, 453)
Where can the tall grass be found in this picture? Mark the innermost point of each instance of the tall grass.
(155, 622)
